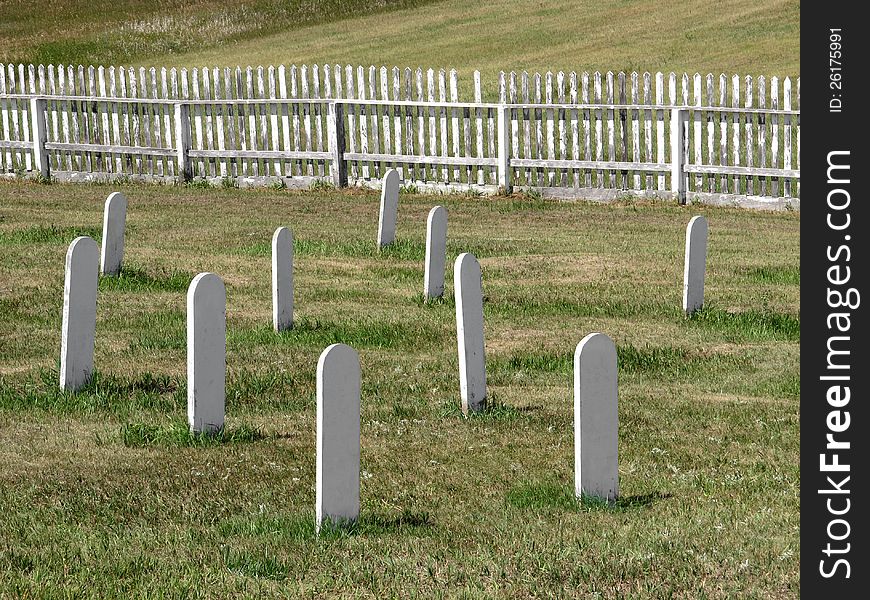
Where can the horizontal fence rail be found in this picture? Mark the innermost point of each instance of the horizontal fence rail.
(567, 133)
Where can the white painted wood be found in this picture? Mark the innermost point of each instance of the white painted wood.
(660, 126)
(599, 144)
(436, 253)
(445, 136)
(679, 179)
(696, 129)
(611, 152)
(206, 353)
(635, 128)
(389, 208)
(711, 131)
(282, 279)
(454, 97)
(786, 138)
(587, 151)
(478, 114)
(467, 289)
(466, 130)
(184, 167)
(4, 115)
(527, 125)
(116, 127)
(433, 121)
(647, 126)
(575, 127)
(563, 143)
(338, 437)
(221, 127)
(774, 133)
(504, 158)
(695, 264)
(550, 127)
(363, 122)
(114, 224)
(723, 130)
(374, 129)
(79, 314)
(749, 138)
(596, 419)
(762, 132)
(735, 131)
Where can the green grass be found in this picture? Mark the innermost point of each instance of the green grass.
(104, 492)
(748, 38)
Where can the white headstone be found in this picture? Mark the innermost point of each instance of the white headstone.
(436, 253)
(79, 314)
(695, 265)
(114, 223)
(282, 279)
(338, 442)
(596, 419)
(389, 208)
(206, 353)
(469, 332)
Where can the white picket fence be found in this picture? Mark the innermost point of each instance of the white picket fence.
(566, 134)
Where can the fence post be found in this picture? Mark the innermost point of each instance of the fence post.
(38, 107)
(679, 177)
(504, 148)
(335, 138)
(182, 138)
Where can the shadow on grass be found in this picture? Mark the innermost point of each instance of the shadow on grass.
(49, 234)
(550, 495)
(136, 279)
(178, 434)
(319, 333)
(764, 325)
(102, 393)
(494, 410)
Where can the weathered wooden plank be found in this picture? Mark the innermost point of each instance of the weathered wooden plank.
(466, 127)
(13, 85)
(253, 141)
(454, 123)
(114, 90)
(272, 154)
(241, 118)
(647, 126)
(575, 129)
(306, 117)
(433, 124)
(374, 130)
(363, 123)
(15, 144)
(672, 100)
(774, 133)
(409, 125)
(421, 128)
(318, 116)
(622, 150)
(723, 130)
(156, 119)
(387, 119)
(551, 134)
(8, 164)
(735, 133)
(351, 110)
(527, 124)
(207, 120)
(85, 122)
(711, 131)
(563, 143)
(750, 146)
(53, 111)
(599, 141)
(762, 133)
(786, 137)
(538, 142)
(281, 92)
(635, 127)
(70, 106)
(220, 110)
(133, 89)
(478, 113)
(611, 129)
(110, 148)
(697, 101)
(615, 165)
(95, 120)
(264, 138)
(660, 126)
(490, 132)
(277, 166)
(744, 171)
(587, 152)
(423, 159)
(197, 125)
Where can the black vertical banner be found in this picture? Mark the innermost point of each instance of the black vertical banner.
(835, 421)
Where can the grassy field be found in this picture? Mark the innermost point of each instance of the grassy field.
(748, 37)
(105, 493)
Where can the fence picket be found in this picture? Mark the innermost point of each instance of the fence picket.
(635, 128)
(433, 120)
(551, 135)
(762, 133)
(723, 131)
(786, 141)
(711, 132)
(735, 134)
(479, 126)
(647, 127)
(774, 134)
(277, 167)
(262, 110)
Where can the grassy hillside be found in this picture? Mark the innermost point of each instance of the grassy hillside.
(742, 36)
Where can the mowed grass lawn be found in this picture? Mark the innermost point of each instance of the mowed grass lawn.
(104, 493)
